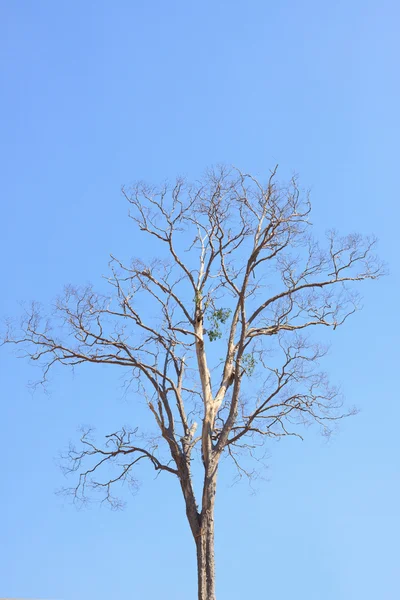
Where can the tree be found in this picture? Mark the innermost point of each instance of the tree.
(213, 335)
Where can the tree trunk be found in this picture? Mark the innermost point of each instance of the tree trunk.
(205, 540)
(206, 560)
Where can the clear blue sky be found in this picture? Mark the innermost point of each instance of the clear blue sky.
(97, 94)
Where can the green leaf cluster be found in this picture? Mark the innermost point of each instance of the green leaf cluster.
(218, 316)
(249, 363)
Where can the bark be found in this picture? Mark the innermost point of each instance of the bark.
(206, 560)
(205, 540)
(202, 568)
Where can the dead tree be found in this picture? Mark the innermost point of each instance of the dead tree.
(240, 277)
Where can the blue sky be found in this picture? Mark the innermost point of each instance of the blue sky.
(98, 94)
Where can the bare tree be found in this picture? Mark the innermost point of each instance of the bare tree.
(240, 269)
